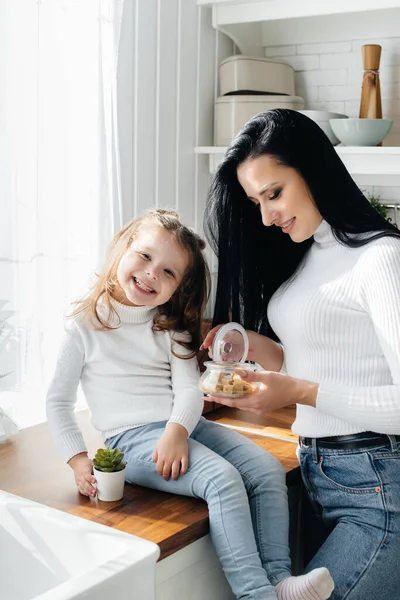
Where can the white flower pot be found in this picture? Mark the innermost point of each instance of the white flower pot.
(110, 486)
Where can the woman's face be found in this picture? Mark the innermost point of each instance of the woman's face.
(282, 196)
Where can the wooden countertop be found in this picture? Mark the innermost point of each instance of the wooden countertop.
(31, 467)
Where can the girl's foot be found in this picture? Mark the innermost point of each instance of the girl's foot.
(315, 585)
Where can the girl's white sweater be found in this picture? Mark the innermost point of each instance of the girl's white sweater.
(129, 377)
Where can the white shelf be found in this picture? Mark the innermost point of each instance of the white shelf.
(227, 12)
(368, 165)
(253, 24)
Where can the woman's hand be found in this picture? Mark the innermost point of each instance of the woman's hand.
(82, 466)
(208, 340)
(231, 336)
(276, 391)
(171, 452)
(262, 349)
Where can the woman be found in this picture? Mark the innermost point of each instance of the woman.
(313, 271)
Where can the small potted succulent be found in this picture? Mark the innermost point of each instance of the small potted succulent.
(109, 470)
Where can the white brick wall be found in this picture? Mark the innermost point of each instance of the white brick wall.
(329, 76)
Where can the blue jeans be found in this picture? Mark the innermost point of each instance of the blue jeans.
(245, 490)
(356, 493)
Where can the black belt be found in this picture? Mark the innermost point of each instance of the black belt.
(366, 439)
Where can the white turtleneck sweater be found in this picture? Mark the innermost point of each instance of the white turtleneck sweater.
(129, 377)
(339, 323)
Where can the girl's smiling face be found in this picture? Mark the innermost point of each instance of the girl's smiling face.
(151, 269)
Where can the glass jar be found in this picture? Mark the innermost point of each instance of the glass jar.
(229, 351)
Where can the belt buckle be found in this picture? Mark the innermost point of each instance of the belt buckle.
(302, 442)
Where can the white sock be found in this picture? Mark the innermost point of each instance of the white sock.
(316, 585)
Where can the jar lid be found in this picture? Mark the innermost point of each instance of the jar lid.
(231, 344)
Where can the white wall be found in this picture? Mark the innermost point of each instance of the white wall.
(167, 84)
(329, 76)
(166, 87)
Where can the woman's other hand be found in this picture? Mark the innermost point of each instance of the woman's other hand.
(255, 341)
(276, 391)
(262, 349)
(208, 340)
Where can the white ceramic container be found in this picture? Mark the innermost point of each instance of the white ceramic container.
(232, 112)
(255, 74)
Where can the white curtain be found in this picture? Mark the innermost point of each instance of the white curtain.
(59, 178)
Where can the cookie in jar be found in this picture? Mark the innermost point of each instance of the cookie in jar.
(229, 351)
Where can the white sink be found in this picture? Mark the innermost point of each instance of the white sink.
(47, 554)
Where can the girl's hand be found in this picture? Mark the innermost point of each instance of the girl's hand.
(171, 452)
(276, 391)
(82, 466)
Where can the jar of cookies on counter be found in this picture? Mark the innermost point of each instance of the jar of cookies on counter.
(229, 352)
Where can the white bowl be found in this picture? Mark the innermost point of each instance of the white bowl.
(322, 118)
(361, 132)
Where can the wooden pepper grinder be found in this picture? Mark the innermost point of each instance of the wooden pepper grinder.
(371, 107)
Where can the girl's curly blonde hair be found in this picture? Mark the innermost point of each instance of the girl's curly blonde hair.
(184, 311)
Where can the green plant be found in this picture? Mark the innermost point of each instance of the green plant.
(375, 201)
(109, 460)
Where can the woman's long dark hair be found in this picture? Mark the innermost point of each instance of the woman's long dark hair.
(254, 260)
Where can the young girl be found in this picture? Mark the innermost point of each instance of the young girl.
(131, 344)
